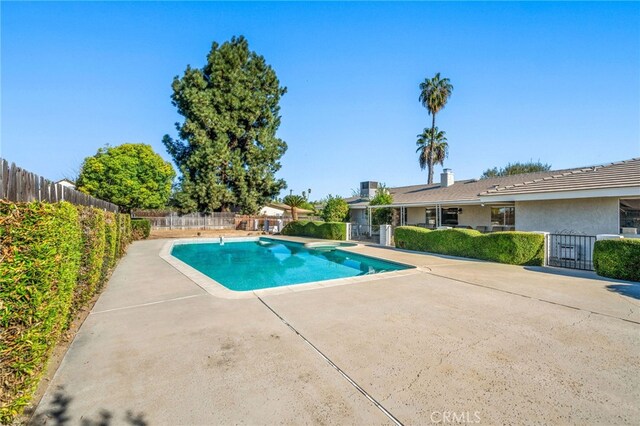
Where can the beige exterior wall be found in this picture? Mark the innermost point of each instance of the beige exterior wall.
(590, 216)
(475, 216)
(415, 215)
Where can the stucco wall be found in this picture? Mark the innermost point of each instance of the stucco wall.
(590, 216)
(475, 216)
(415, 215)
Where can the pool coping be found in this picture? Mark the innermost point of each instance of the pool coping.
(216, 289)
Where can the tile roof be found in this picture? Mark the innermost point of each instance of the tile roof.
(620, 174)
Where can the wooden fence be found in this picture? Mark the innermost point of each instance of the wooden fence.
(20, 185)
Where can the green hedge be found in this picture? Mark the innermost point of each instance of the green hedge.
(324, 230)
(140, 229)
(53, 258)
(618, 258)
(516, 248)
(92, 223)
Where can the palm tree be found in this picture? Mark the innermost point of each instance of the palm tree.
(428, 143)
(295, 202)
(434, 94)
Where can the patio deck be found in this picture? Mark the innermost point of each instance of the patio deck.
(515, 345)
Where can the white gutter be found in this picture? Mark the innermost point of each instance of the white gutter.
(563, 195)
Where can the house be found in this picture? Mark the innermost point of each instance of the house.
(603, 199)
(279, 209)
(67, 183)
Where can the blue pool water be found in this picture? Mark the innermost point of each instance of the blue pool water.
(252, 265)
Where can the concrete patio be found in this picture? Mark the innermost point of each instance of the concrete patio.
(488, 342)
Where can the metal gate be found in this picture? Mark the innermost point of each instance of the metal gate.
(571, 251)
(360, 232)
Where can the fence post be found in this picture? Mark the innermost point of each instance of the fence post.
(348, 226)
(385, 235)
(545, 245)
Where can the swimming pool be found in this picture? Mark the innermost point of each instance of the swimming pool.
(265, 263)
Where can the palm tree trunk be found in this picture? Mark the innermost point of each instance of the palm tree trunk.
(431, 147)
(294, 213)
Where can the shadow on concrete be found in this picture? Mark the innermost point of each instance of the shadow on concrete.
(626, 288)
(57, 413)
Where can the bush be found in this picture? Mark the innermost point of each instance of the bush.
(335, 209)
(516, 248)
(92, 223)
(324, 230)
(41, 252)
(617, 259)
(140, 229)
(53, 258)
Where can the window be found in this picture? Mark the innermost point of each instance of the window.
(630, 216)
(505, 216)
(430, 218)
(450, 216)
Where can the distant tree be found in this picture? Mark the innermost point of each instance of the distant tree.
(295, 202)
(130, 175)
(434, 94)
(335, 209)
(516, 169)
(440, 147)
(227, 149)
(384, 215)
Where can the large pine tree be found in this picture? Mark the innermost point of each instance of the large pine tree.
(227, 148)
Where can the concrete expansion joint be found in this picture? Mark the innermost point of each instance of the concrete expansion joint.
(141, 305)
(536, 298)
(371, 399)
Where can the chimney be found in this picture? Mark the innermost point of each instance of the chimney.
(446, 178)
(368, 189)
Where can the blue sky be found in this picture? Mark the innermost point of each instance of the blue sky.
(559, 82)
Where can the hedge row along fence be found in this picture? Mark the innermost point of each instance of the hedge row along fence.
(53, 259)
(324, 230)
(516, 248)
(618, 259)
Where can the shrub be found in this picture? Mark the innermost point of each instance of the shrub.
(41, 250)
(617, 259)
(53, 258)
(324, 230)
(335, 209)
(111, 242)
(92, 223)
(140, 229)
(517, 248)
(124, 232)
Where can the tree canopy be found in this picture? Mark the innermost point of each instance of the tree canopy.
(440, 146)
(382, 215)
(130, 175)
(227, 149)
(295, 202)
(434, 94)
(335, 209)
(516, 169)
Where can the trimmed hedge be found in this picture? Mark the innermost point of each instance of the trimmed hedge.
(618, 259)
(53, 258)
(324, 230)
(140, 229)
(516, 248)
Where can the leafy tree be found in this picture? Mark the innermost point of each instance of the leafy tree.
(516, 169)
(440, 147)
(335, 209)
(131, 175)
(227, 148)
(295, 202)
(434, 94)
(383, 215)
